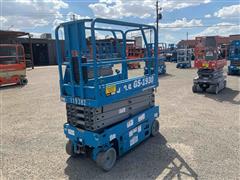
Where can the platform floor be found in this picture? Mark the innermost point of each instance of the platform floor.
(199, 133)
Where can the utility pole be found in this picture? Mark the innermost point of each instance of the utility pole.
(73, 17)
(158, 16)
(150, 36)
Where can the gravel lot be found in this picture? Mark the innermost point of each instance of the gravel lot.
(199, 133)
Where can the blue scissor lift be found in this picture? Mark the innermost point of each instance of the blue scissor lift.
(107, 114)
(234, 57)
(161, 60)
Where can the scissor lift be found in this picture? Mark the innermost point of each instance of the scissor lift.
(184, 57)
(12, 65)
(161, 60)
(210, 62)
(234, 58)
(107, 115)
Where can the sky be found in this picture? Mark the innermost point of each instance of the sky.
(195, 17)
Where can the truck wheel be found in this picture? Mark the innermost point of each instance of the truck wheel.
(155, 128)
(70, 149)
(106, 160)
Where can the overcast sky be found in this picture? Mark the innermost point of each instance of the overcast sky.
(197, 17)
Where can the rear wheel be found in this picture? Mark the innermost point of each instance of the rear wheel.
(194, 88)
(216, 89)
(23, 81)
(106, 160)
(155, 128)
(225, 83)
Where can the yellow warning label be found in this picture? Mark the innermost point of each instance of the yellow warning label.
(111, 89)
(205, 65)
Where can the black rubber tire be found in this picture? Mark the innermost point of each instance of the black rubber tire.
(155, 128)
(23, 81)
(225, 84)
(194, 88)
(107, 159)
(216, 89)
(70, 149)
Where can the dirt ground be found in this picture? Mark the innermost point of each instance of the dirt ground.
(199, 133)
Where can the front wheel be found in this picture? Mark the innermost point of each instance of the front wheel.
(106, 160)
(70, 149)
(155, 128)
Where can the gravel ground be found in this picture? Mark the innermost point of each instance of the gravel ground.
(199, 133)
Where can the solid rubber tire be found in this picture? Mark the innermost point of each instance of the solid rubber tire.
(155, 128)
(106, 159)
(70, 149)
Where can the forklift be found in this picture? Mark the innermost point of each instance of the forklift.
(12, 65)
(234, 58)
(210, 61)
(107, 115)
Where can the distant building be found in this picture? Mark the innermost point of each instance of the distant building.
(186, 43)
(43, 49)
(220, 40)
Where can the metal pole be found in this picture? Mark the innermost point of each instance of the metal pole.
(150, 36)
(31, 49)
(157, 16)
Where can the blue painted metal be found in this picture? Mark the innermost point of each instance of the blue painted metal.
(93, 91)
(101, 90)
(161, 60)
(234, 57)
(184, 58)
(128, 133)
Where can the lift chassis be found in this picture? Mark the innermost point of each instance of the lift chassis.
(114, 141)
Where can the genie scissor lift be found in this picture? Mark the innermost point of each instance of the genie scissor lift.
(184, 58)
(234, 57)
(210, 60)
(161, 60)
(107, 115)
